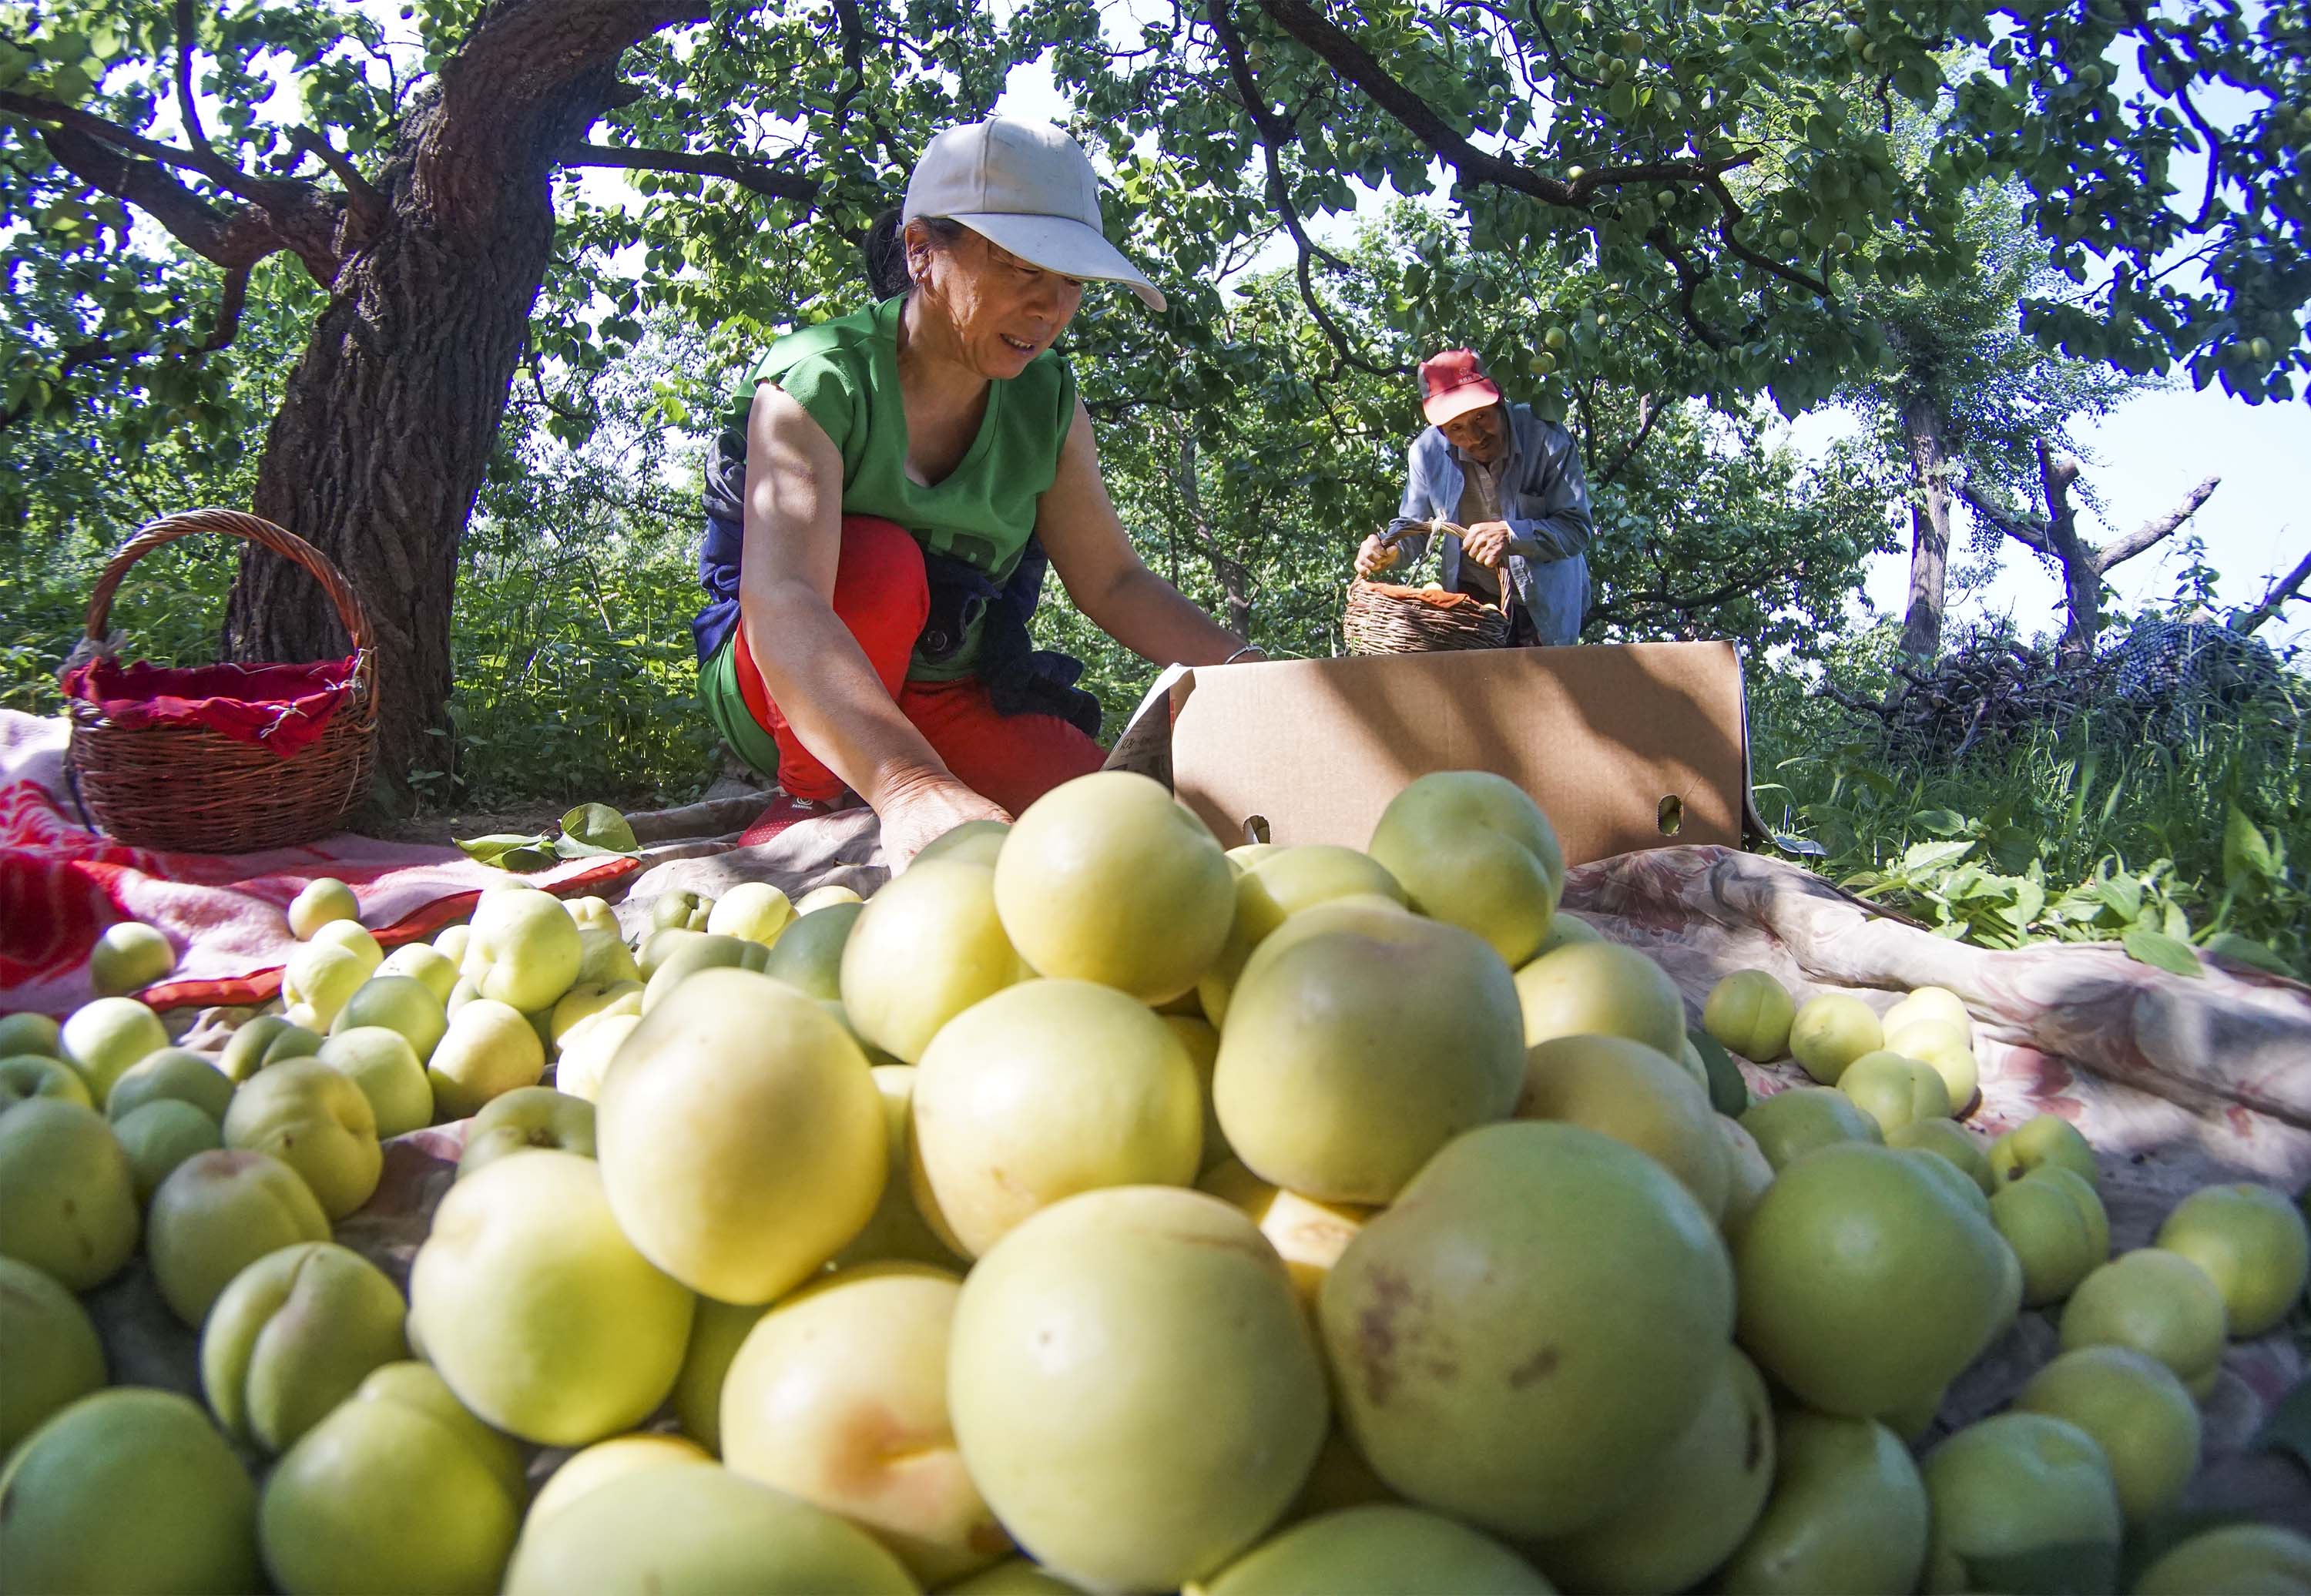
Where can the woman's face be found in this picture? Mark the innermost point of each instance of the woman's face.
(1478, 434)
(1001, 312)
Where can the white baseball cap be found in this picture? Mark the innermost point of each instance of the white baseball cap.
(1030, 188)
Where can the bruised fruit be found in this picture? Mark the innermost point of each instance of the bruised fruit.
(1521, 1336)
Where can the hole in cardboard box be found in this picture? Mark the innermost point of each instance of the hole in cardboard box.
(1255, 828)
(1669, 814)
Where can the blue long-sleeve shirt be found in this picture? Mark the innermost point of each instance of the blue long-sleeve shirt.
(1543, 498)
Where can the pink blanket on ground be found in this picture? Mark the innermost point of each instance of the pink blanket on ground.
(226, 915)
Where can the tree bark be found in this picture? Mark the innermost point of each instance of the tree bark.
(1921, 615)
(385, 426)
(1235, 582)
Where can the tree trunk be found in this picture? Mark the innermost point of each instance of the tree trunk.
(2082, 567)
(385, 426)
(1930, 520)
(1235, 582)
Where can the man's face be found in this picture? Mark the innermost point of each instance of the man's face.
(1478, 434)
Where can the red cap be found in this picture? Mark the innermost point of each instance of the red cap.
(1453, 384)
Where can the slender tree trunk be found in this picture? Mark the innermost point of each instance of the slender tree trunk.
(385, 427)
(1235, 582)
(2080, 561)
(1929, 522)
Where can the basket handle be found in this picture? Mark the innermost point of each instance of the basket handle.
(234, 523)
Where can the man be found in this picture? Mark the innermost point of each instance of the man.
(1513, 481)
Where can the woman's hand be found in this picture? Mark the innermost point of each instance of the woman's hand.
(1375, 556)
(917, 813)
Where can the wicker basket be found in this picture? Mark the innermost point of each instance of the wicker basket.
(1383, 619)
(191, 788)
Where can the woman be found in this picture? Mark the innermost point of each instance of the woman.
(907, 469)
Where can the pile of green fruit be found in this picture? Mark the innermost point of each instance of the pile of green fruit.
(1094, 1209)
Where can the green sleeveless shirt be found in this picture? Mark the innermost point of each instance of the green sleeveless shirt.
(845, 373)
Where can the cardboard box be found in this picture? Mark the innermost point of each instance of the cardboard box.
(1623, 746)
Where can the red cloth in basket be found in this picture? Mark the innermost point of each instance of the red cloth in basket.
(279, 707)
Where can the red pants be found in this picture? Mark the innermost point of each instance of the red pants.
(881, 594)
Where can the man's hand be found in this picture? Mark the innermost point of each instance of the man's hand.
(1486, 543)
(1375, 556)
(918, 813)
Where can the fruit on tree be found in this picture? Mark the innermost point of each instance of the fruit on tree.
(1359, 1041)
(316, 1121)
(1308, 1235)
(66, 1191)
(2231, 1557)
(323, 899)
(1108, 878)
(217, 1214)
(489, 1050)
(2015, 1484)
(1473, 850)
(127, 1491)
(738, 1098)
(1895, 1091)
(524, 951)
(53, 1357)
(927, 948)
(401, 1003)
(538, 1311)
(1635, 1094)
(1830, 1031)
(130, 954)
(338, 1509)
(695, 1529)
(2158, 1302)
(102, 1039)
(1601, 988)
(1946, 1139)
(1749, 1013)
(1522, 1334)
(592, 1467)
(755, 910)
(2045, 1138)
(159, 1136)
(1694, 1505)
(1046, 1089)
(2146, 1423)
(838, 1398)
(2049, 1236)
(295, 1334)
(2252, 1244)
(528, 1117)
(1847, 1512)
(387, 1069)
(1789, 1124)
(1866, 1284)
(1379, 1547)
(1133, 1386)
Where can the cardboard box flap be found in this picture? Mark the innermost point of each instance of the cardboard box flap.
(1623, 746)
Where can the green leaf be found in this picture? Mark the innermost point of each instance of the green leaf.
(1942, 823)
(2246, 852)
(1729, 1094)
(1920, 857)
(600, 827)
(2124, 895)
(2246, 950)
(2161, 952)
(501, 849)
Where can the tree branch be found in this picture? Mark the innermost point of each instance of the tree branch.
(229, 304)
(2015, 525)
(2120, 550)
(1648, 412)
(269, 192)
(2282, 591)
(365, 201)
(769, 181)
(237, 237)
(188, 112)
(1689, 281)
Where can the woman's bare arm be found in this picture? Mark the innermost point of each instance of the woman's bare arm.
(1104, 574)
(814, 669)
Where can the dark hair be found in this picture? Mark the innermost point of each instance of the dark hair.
(885, 250)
